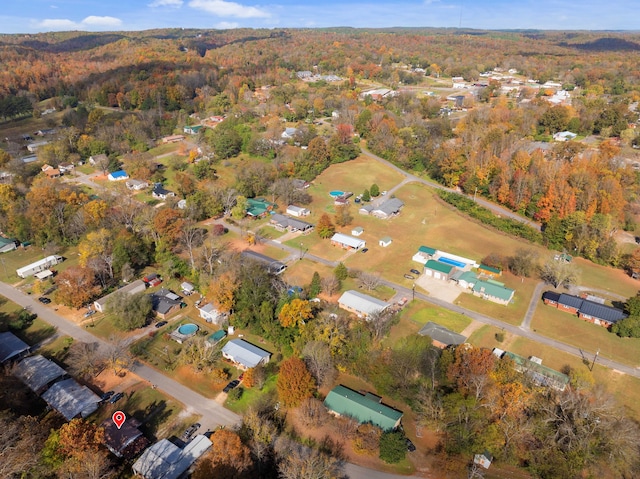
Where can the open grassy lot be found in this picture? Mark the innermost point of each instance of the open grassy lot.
(320, 247)
(603, 278)
(625, 388)
(299, 273)
(34, 332)
(251, 395)
(421, 313)
(589, 337)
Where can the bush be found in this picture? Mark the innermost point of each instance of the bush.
(235, 394)
(393, 447)
(500, 337)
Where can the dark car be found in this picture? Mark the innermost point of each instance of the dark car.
(190, 431)
(159, 324)
(637, 239)
(364, 250)
(415, 271)
(409, 276)
(44, 300)
(106, 395)
(410, 446)
(231, 385)
(115, 398)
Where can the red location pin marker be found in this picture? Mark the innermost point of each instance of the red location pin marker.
(118, 418)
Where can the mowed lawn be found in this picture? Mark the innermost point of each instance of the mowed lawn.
(625, 388)
(421, 313)
(572, 330)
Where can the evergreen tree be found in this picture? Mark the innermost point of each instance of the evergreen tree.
(341, 272)
(366, 196)
(315, 287)
(375, 190)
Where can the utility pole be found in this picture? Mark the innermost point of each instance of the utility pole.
(594, 359)
(474, 194)
(413, 292)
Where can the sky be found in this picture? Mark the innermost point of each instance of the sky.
(32, 16)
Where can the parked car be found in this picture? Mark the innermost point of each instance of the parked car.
(231, 385)
(116, 397)
(364, 250)
(44, 300)
(190, 431)
(415, 271)
(410, 446)
(409, 276)
(106, 395)
(91, 312)
(159, 324)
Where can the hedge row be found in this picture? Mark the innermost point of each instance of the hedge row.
(482, 214)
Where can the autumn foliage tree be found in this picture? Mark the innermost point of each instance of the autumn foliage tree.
(295, 382)
(295, 313)
(76, 286)
(325, 227)
(222, 291)
(471, 369)
(228, 458)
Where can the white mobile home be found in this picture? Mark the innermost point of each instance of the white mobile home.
(33, 268)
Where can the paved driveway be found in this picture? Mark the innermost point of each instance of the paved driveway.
(443, 290)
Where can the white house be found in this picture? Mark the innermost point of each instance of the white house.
(564, 136)
(244, 354)
(297, 211)
(361, 304)
(289, 133)
(119, 175)
(357, 231)
(165, 460)
(136, 185)
(347, 242)
(210, 314)
(132, 288)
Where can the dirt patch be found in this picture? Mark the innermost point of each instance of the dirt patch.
(108, 381)
(472, 328)
(423, 460)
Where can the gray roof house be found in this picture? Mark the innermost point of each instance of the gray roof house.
(441, 336)
(164, 302)
(136, 286)
(384, 210)
(361, 304)
(165, 460)
(282, 222)
(210, 314)
(37, 372)
(244, 354)
(12, 347)
(71, 399)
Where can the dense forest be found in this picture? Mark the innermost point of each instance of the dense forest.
(118, 93)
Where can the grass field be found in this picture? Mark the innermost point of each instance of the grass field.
(572, 330)
(421, 313)
(625, 388)
(37, 331)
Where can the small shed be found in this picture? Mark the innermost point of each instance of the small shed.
(188, 287)
(119, 175)
(385, 241)
(357, 231)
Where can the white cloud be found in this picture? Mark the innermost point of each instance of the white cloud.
(166, 3)
(58, 24)
(222, 8)
(227, 25)
(91, 22)
(102, 21)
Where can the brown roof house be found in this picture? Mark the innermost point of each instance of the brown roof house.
(126, 441)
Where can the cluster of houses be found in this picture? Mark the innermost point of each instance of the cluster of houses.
(590, 309)
(445, 266)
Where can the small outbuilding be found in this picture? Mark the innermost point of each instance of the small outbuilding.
(357, 231)
(385, 241)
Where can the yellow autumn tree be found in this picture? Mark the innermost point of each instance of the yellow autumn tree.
(295, 313)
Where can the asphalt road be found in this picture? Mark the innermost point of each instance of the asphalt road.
(213, 414)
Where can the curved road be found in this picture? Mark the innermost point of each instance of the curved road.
(413, 178)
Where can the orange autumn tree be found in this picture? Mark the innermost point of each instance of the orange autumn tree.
(222, 291)
(295, 382)
(227, 458)
(295, 313)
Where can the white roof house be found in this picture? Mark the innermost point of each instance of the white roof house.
(37, 372)
(346, 241)
(294, 210)
(132, 288)
(71, 399)
(210, 314)
(361, 304)
(245, 354)
(165, 460)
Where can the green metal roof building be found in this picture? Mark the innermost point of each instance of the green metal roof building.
(438, 266)
(493, 292)
(364, 408)
(427, 250)
(259, 207)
